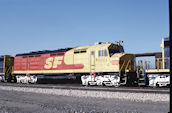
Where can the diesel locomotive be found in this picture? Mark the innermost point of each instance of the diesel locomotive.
(100, 64)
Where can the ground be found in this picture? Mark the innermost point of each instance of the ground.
(22, 102)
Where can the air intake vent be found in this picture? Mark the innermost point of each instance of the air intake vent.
(100, 43)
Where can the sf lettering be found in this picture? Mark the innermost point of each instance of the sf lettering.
(53, 62)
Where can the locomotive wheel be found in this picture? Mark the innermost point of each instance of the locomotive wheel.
(157, 85)
(117, 85)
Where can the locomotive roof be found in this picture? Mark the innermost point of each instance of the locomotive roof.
(2, 56)
(94, 46)
(45, 52)
(98, 45)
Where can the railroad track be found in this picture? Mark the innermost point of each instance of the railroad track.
(92, 88)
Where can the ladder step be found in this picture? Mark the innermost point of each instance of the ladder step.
(123, 83)
(142, 79)
(140, 84)
(123, 78)
(141, 75)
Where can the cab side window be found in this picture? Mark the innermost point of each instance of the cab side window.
(102, 53)
(92, 52)
(105, 53)
(99, 53)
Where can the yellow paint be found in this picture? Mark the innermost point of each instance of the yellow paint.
(92, 63)
(156, 70)
(53, 62)
(162, 46)
(48, 64)
(2, 73)
(57, 61)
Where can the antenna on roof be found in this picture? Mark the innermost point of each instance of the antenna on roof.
(119, 42)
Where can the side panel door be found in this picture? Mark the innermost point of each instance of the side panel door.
(92, 61)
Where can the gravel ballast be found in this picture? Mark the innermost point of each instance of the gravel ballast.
(28, 102)
(142, 97)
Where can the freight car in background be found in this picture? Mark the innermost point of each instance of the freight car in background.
(99, 64)
(6, 68)
(157, 69)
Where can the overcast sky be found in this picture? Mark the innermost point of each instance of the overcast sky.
(33, 25)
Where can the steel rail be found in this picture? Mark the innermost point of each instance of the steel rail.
(92, 88)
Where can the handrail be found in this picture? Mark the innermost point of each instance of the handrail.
(158, 63)
(127, 64)
(122, 66)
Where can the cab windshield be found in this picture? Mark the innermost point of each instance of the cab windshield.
(115, 49)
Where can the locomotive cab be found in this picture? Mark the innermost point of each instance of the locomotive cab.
(109, 65)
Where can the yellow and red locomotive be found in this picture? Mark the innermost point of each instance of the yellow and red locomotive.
(102, 63)
(99, 64)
